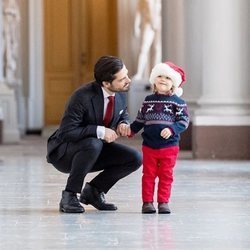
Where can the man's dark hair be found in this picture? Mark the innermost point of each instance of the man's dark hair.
(106, 67)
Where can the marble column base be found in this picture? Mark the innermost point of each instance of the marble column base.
(221, 142)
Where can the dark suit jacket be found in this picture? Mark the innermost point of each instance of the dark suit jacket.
(83, 113)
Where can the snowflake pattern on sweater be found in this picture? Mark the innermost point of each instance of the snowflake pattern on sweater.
(158, 112)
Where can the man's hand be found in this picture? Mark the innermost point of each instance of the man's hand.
(123, 129)
(166, 133)
(110, 135)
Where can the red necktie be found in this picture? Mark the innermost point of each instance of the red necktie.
(109, 112)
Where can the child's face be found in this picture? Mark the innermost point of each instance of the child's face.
(163, 84)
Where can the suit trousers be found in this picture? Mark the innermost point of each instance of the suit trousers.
(114, 160)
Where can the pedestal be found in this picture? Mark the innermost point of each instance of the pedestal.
(8, 105)
(138, 91)
(1, 125)
(221, 131)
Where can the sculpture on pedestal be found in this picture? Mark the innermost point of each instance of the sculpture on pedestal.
(9, 55)
(147, 26)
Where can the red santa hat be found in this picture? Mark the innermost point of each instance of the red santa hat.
(171, 70)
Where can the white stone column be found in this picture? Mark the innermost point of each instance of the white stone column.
(210, 40)
(224, 64)
(1, 71)
(35, 115)
(1, 42)
(222, 121)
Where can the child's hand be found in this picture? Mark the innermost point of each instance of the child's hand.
(123, 129)
(166, 133)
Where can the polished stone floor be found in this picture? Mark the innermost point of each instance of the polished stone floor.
(210, 207)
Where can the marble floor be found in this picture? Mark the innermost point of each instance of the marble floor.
(210, 207)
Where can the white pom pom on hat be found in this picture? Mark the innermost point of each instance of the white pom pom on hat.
(171, 70)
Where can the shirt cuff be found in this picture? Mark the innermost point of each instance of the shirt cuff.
(100, 132)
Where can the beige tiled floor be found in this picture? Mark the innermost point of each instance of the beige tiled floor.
(210, 207)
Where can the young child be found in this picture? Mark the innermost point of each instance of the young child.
(163, 116)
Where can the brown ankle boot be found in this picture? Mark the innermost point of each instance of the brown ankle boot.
(163, 208)
(148, 208)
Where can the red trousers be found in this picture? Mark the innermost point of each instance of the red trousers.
(158, 163)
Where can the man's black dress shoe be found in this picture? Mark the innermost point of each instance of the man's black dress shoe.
(69, 203)
(91, 195)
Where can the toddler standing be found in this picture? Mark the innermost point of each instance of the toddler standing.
(163, 116)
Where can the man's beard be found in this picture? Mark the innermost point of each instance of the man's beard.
(124, 89)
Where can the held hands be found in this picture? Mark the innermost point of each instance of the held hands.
(166, 133)
(123, 129)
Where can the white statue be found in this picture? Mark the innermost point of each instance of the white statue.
(147, 26)
(11, 40)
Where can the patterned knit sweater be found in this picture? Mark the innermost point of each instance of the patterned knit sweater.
(158, 112)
